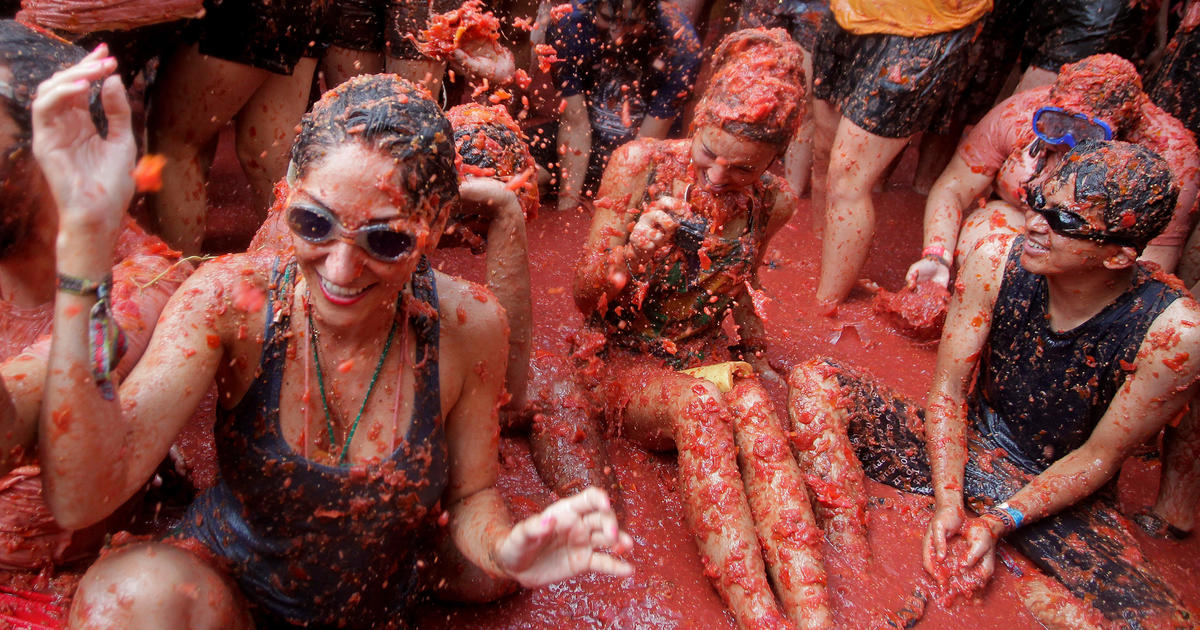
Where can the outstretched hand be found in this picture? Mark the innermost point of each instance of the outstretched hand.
(486, 60)
(90, 176)
(564, 540)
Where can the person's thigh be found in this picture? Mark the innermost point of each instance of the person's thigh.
(195, 95)
(156, 585)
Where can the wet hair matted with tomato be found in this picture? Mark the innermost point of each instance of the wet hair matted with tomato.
(1100, 85)
(1131, 184)
(757, 88)
(400, 120)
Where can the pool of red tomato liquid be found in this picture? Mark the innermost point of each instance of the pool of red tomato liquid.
(668, 588)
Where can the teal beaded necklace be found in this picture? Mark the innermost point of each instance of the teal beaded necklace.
(387, 346)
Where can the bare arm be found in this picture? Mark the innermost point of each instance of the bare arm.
(562, 540)
(507, 270)
(574, 151)
(745, 312)
(96, 452)
(954, 190)
(603, 270)
(967, 326)
(149, 281)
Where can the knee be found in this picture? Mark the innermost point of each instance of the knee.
(150, 581)
(700, 402)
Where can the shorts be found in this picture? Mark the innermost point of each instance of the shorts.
(406, 20)
(801, 18)
(1176, 84)
(890, 85)
(271, 35)
(358, 24)
(1074, 546)
(1065, 31)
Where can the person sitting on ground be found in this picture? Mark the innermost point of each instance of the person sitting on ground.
(624, 70)
(883, 71)
(144, 272)
(335, 472)
(1066, 316)
(680, 230)
(1025, 136)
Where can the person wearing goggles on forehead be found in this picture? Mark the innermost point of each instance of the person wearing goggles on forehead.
(1097, 98)
(359, 393)
(1061, 355)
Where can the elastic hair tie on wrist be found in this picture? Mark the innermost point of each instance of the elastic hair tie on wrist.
(936, 253)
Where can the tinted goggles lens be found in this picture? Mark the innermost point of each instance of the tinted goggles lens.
(1070, 224)
(319, 227)
(1054, 125)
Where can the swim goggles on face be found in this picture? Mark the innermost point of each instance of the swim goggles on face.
(318, 226)
(1055, 125)
(1070, 224)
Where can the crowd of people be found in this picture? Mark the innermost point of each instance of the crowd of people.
(355, 396)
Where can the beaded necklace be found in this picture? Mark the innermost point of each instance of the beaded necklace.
(387, 346)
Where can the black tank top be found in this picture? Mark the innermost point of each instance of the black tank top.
(316, 545)
(1040, 392)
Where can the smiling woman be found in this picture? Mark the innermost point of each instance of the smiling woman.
(322, 512)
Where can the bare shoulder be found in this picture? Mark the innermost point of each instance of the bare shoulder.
(469, 313)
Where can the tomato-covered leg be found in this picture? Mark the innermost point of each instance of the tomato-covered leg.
(823, 449)
(565, 440)
(660, 405)
(779, 502)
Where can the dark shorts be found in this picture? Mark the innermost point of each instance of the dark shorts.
(1076, 546)
(405, 20)
(267, 34)
(358, 24)
(1175, 87)
(801, 18)
(890, 85)
(1064, 31)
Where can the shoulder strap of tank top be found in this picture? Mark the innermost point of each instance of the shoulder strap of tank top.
(428, 404)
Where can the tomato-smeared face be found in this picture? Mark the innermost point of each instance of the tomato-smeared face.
(727, 162)
(357, 260)
(1049, 252)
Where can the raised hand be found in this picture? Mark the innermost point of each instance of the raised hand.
(90, 176)
(566, 539)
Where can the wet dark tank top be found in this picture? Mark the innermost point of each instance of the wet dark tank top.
(316, 545)
(1040, 392)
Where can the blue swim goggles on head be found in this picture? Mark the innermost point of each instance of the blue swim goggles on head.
(1055, 125)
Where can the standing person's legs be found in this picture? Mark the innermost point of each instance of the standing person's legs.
(357, 29)
(194, 96)
(857, 160)
(266, 127)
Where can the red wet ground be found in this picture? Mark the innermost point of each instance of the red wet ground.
(669, 589)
